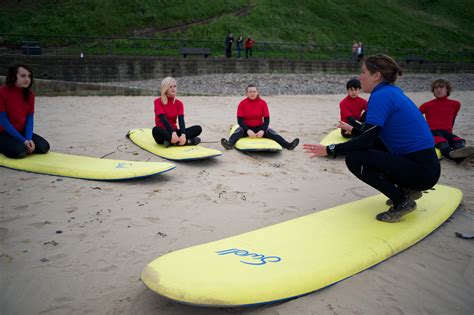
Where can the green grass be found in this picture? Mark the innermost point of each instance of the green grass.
(416, 24)
(105, 17)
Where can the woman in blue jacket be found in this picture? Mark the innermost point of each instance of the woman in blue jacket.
(410, 165)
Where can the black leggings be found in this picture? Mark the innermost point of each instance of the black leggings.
(269, 133)
(391, 174)
(161, 135)
(15, 149)
(446, 142)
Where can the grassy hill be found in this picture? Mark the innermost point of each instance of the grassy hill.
(430, 24)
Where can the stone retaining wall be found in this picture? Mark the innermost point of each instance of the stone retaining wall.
(120, 68)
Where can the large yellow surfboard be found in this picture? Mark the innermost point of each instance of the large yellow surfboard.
(296, 257)
(84, 167)
(144, 139)
(255, 144)
(336, 137)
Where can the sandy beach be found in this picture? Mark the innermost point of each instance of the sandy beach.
(70, 246)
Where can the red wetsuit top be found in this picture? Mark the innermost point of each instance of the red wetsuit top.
(249, 43)
(440, 113)
(352, 107)
(253, 111)
(13, 104)
(171, 111)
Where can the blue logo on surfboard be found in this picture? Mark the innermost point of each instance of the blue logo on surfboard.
(251, 258)
(123, 165)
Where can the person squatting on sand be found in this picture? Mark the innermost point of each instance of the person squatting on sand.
(17, 108)
(353, 108)
(440, 113)
(253, 118)
(410, 165)
(168, 110)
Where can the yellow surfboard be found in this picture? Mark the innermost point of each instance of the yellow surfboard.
(68, 165)
(144, 139)
(336, 137)
(296, 257)
(255, 144)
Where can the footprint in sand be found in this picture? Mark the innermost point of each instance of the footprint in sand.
(3, 234)
(107, 268)
(71, 209)
(122, 220)
(359, 191)
(4, 258)
(152, 219)
(21, 207)
(203, 174)
(40, 224)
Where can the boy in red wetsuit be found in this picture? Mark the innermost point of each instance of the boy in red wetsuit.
(17, 108)
(440, 114)
(253, 118)
(353, 107)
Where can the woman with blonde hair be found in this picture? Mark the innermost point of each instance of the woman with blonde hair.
(168, 112)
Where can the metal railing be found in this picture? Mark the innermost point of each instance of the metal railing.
(139, 46)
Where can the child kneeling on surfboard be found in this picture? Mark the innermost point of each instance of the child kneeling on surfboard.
(410, 165)
(17, 108)
(353, 107)
(440, 114)
(253, 118)
(168, 110)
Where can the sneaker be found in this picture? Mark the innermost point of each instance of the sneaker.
(194, 141)
(462, 153)
(293, 144)
(226, 144)
(412, 194)
(395, 214)
(166, 144)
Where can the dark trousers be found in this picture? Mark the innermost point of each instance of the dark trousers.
(446, 142)
(248, 52)
(269, 133)
(161, 135)
(391, 174)
(16, 149)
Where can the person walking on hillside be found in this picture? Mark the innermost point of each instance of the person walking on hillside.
(248, 47)
(228, 45)
(240, 44)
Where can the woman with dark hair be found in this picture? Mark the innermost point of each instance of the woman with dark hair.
(17, 107)
(410, 165)
(253, 118)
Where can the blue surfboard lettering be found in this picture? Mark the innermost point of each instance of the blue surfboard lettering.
(259, 258)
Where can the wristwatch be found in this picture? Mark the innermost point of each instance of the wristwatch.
(331, 149)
